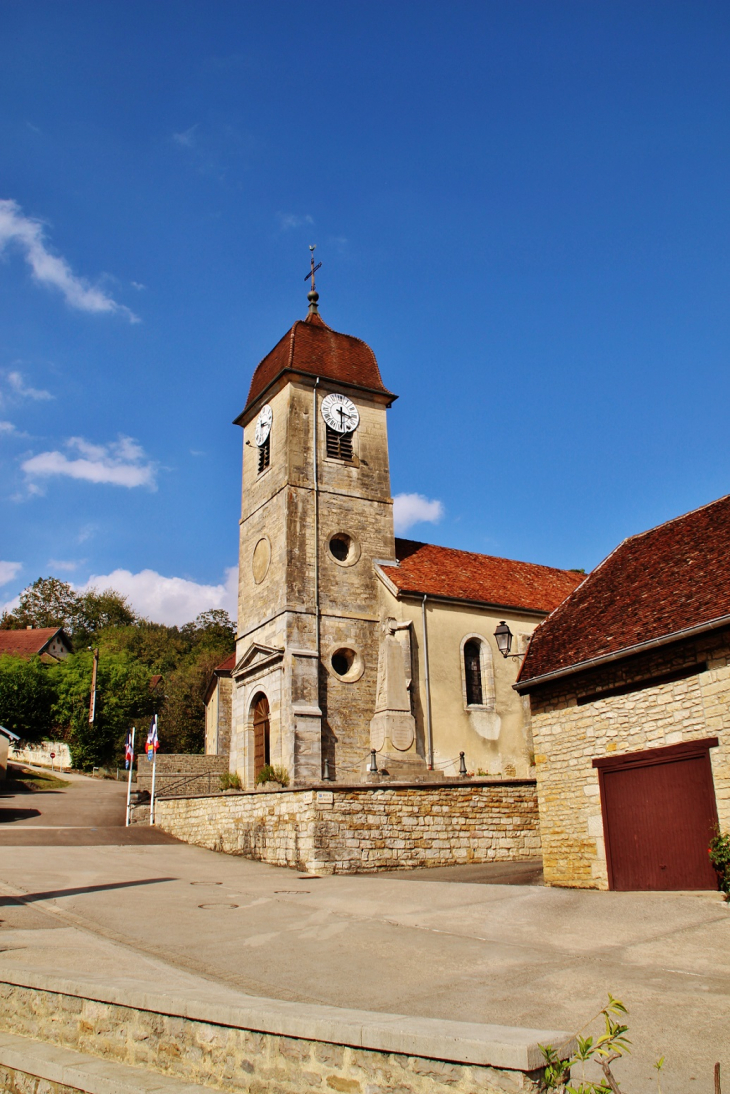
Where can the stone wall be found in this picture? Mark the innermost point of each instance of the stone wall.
(181, 773)
(362, 829)
(569, 734)
(272, 1045)
(40, 755)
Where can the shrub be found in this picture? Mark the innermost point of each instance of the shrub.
(719, 851)
(269, 774)
(230, 781)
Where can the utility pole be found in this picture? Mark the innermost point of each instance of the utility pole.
(92, 701)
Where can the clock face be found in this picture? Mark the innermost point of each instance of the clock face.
(340, 413)
(263, 425)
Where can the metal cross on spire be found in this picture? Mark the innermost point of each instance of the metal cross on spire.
(312, 295)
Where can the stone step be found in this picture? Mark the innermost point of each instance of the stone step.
(68, 1070)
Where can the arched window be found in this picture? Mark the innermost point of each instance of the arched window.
(261, 733)
(473, 672)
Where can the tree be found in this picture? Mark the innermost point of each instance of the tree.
(26, 697)
(48, 602)
(124, 699)
(96, 611)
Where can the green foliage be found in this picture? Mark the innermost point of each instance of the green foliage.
(269, 774)
(720, 858)
(33, 699)
(230, 781)
(49, 602)
(21, 781)
(604, 1050)
(124, 699)
(26, 697)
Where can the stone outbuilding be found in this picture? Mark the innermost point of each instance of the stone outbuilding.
(629, 688)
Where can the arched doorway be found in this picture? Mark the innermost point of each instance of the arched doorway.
(261, 733)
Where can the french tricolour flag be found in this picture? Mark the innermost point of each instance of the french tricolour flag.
(152, 742)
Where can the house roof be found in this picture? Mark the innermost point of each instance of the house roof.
(226, 667)
(8, 733)
(427, 569)
(29, 642)
(655, 585)
(314, 348)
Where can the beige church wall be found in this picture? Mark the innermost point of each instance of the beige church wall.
(211, 721)
(363, 829)
(568, 737)
(495, 738)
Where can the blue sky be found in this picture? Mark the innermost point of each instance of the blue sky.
(522, 207)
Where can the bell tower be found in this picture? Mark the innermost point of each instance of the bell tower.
(316, 513)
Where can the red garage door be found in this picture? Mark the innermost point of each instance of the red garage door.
(659, 815)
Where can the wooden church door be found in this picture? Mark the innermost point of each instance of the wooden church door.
(261, 733)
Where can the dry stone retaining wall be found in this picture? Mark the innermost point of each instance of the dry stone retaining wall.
(362, 829)
(219, 1053)
(181, 773)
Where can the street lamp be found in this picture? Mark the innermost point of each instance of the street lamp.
(503, 636)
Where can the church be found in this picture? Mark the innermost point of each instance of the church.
(360, 656)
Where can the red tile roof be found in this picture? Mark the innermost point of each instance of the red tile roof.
(653, 585)
(28, 643)
(463, 575)
(313, 347)
(226, 666)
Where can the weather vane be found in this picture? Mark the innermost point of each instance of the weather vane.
(312, 295)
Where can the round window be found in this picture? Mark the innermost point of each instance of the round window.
(340, 546)
(346, 664)
(344, 548)
(342, 661)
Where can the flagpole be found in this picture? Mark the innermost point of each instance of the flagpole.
(129, 781)
(154, 772)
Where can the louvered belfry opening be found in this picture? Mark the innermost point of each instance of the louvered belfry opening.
(473, 673)
(339, 445)
(265, 454)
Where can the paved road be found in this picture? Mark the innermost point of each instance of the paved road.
(86, 813)
(512, 954)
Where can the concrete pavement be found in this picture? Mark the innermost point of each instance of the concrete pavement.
(521, 955)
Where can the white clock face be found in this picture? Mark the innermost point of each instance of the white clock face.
(263, 425)
(340, 413)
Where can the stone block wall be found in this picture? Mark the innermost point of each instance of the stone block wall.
(215, 1050)
(568, 735)
(363, 829)
(181, 773)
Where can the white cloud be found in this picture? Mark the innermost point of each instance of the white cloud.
(9, 570)
(170, 600)
(120, 463)
(137, 285)
(7, 428)
(61, 564)
(22, 391)
(49, 269)
(291, 220)
(186, 139)
(410, 509)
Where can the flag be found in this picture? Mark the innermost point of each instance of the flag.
(152, 742)
(128, 751)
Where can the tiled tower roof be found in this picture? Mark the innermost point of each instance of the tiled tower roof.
(314, 348)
